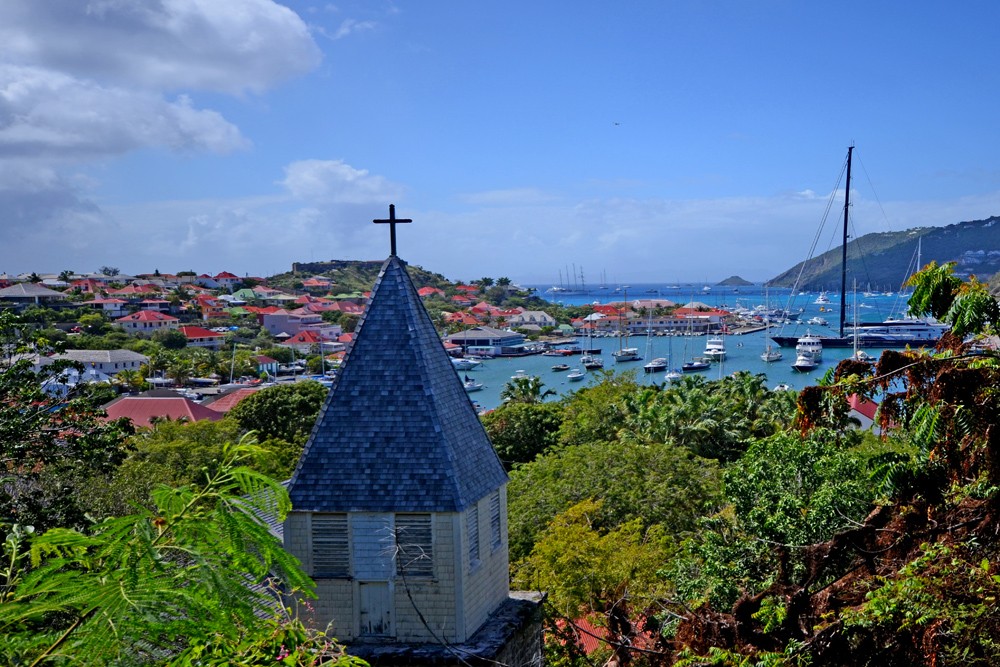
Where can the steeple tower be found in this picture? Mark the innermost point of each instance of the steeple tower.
(399, 501)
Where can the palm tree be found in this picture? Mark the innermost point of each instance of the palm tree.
(503, 281)
(525, 390)
(484, 284)
(132, 380)
(180, 370)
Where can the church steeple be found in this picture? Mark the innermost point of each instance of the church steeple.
(399, 501)
(398, 432)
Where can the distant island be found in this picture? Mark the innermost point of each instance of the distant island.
(734, 281)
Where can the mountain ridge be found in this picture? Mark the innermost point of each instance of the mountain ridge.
(885, 260)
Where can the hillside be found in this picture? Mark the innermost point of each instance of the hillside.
(353, 275)
(885, 260)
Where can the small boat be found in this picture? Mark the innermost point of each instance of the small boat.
(471, 385)
(520, 375)
(817, 321)
(626, 354)
(592, 362)
(861, 355)
(822, 298)
(783, 387)
(715, 349)
(575, 375)
(465, 364)
(673, 376)
(657, 365)
(561, 367)
(696, 365)
(770, 354)
(805, 361)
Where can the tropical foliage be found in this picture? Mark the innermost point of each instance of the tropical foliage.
(719, 523)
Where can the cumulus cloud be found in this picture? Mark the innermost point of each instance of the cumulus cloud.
(334, 181)
(230, 46)
(50, 114)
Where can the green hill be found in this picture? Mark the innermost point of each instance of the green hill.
(886, 260)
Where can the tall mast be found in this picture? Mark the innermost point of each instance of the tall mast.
(843, 249)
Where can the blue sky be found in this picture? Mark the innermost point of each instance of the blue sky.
(646, 141)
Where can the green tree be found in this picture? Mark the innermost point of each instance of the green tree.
(657, 484)
(119, 592)
(50, 446)
(521, 431)
(93, 323)
(525, 390)
(170, 339)
(286, 412)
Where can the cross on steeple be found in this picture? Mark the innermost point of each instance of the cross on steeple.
(392, 220)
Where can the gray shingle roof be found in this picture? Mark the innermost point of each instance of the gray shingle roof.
(398, 432)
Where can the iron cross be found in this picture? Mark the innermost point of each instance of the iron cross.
(392, 227)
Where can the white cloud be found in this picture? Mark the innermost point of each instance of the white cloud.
(230, 46)
(335, 182)
(352, 26)
(49, 114)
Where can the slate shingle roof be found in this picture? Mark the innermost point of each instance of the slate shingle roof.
(398, 432)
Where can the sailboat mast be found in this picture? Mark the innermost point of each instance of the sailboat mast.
(843, 250)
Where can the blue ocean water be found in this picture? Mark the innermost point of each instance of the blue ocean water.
(743, 352)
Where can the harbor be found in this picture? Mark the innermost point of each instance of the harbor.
(744, 344)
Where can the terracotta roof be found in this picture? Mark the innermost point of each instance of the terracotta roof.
(226, 402)
(199, 332)
(148, 316)
(142, 409)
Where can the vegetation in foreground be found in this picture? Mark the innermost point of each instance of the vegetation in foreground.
(710, 523)
(717, 523)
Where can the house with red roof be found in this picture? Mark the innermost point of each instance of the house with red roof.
(317, 284)
(307, 341)
(211, 308)
(266, 364)
(88, 286)
(459, 317)
(223, 403)
(468, 289)
(425, 292)
(135, 291)
(145, 411)
(460, 300)
(147, 321)
(201, 337)
(227, 280)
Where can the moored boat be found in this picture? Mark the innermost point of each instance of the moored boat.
(575, 375)
(657, 365)
(696, 365)
(804, 362)
(715, 349)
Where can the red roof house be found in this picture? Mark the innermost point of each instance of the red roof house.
(143, 411)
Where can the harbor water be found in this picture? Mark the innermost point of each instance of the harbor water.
(743, 351)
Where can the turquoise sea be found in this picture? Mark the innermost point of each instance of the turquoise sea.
(743, 352)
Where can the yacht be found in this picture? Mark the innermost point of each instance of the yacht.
(812, 344)
(715, 349)
(575, 375)
(805, 361)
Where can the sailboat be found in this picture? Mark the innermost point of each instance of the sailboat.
(659, 364)
(590, 359)
(624, 352)
(904, 332)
